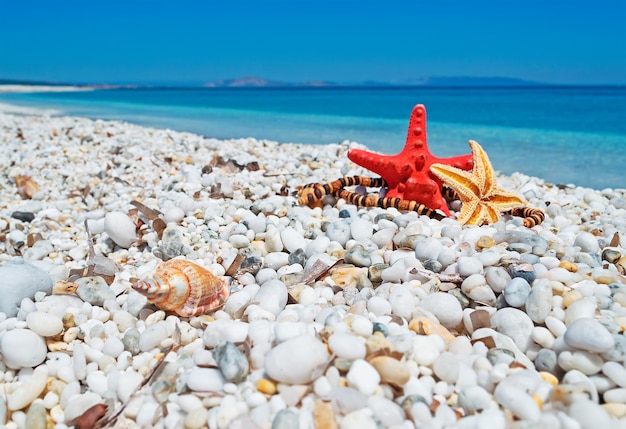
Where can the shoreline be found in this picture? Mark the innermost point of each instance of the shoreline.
(42, 88)
(425, 323)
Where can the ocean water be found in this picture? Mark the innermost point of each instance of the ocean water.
(565, 135)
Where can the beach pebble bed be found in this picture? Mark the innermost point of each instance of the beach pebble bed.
(338, 317)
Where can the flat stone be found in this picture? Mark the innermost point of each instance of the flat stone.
(298, 360)
(22, 348)
(21, 279)
(589, 335)
(445, 307)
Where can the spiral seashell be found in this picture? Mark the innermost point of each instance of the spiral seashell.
(184, 288)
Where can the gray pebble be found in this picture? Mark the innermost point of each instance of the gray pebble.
(546, 360)
(172, 244)
(285, 419)
(618, 351)
(516, 292)
(231, 362)
(511, 236)
(297, 257)
(500, 355)
(94, 290)
(347, 399)
(591, 259)
(539, 302)
(525, 271)
(519, 247)
(131, 341)
(339, 231)
(250, 265)
(379, 327)
(433, 265)
(375, 272)
(529, 258)
(461, 297)
(383, 216)
(358, 256)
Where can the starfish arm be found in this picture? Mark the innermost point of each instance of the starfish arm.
(470, 212)
(482, 168)
(504, 200)
(461, 181)
(492, 213)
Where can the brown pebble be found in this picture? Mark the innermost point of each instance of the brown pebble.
(424, 326)
(569, 266)
(324, 415)
(391, 370)
(570, 297)
(485, 242)
(480, 319)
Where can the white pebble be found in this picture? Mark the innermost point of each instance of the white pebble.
(80, 403)
(174, 214)
(298, 360)
(517, 401)
(152, 336)
(205, 380)
(346, 346)
(120, 228)
(292, 240)
(363, 377)
(379, 306)
(28, 390)
(361, 229)
(44, 324)
(272, 296)
(468, 266)
(589, 335)
(22, 348)
(616, 372)
(446, 308)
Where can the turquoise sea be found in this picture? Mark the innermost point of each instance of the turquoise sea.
(565, 135)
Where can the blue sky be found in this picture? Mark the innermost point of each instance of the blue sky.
(188, 41)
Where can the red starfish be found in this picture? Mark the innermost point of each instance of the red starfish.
(408, 173)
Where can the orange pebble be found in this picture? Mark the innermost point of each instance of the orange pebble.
(549, 378)
(266, 386)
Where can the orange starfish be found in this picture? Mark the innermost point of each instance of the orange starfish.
(408, 174)
(482, 199)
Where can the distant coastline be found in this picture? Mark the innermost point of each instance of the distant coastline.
(438, 82)
(41, 88)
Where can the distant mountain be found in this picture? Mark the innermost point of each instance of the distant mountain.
(460, 81)
(434, 81)
(257, 82)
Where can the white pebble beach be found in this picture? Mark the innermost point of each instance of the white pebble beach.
(418, 323)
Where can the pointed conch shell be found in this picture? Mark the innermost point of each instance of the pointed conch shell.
(184, 288)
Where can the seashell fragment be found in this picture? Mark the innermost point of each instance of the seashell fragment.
(184, 288)
(26, 186)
